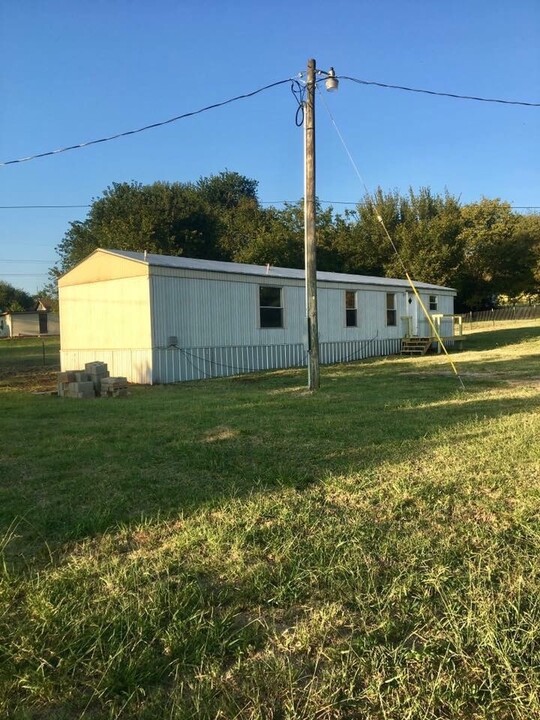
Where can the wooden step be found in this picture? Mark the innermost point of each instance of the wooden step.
(415, 346)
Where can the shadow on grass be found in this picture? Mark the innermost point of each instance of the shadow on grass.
(73, 469)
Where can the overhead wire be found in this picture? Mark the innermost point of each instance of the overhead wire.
(146, 127)
(423, 91)
(261, 202)
(297, 90)
(393, 245)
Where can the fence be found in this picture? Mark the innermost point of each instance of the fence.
(513, 312)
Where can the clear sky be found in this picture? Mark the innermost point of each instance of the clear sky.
(78, 70)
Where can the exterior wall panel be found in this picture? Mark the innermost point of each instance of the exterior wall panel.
(112, 314)
(179, 364)
(213, 312)
(102, 266)
(135, 365)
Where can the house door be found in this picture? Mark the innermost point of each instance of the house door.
(43, 323)
(412, 312)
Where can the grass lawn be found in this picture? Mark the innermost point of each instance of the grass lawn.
(240, 548)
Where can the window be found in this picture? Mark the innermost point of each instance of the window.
(351, 319)
(433, 305)
(270, 307)
(391, 308)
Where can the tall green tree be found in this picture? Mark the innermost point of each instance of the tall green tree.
(166, 218)
(228, 189)
(277, 238)
(14, 299)
(428, 238)
(499, 255)
(212, 218)
(528, 234)
(422, 227)
(233, 198)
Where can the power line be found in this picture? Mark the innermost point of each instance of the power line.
(455, 96)
(33, 207)
(147, 127)
(252, 94)
(261, 202)
(23, 274)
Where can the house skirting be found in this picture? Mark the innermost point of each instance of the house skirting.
(176, 364)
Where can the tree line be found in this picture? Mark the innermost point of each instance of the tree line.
(483, 249)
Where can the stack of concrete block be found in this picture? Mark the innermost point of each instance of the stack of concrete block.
(75, 385)
(93, 381)
(114, 387)
(96, 372)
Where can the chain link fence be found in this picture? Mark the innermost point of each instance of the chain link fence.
(504, 314)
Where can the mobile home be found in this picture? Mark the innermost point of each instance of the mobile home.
(162, 319)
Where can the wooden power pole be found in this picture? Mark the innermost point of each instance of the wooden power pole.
(309, 230)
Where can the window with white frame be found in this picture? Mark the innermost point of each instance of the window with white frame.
(433, 303)
(351, 310)
(270, 306)
(391, 315)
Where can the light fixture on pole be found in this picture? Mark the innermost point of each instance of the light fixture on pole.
(310, 218)
(331, 83)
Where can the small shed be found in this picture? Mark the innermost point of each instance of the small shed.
(162, 319)
(40, 321)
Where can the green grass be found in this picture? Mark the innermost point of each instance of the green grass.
(242, 549)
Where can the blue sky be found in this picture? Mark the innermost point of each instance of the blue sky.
(78, 71)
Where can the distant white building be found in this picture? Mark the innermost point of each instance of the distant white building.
(161, 319)
(40, 321)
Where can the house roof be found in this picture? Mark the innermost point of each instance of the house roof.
(184, 263)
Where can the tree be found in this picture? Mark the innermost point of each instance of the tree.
(527, 234)
(499, 255)
(423, 228)
(233, 198)
(14, 300)
(208, 219)
(428, 238)
(228, 189)
(276, 238)
(167, 218)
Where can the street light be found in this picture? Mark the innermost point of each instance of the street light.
(309, 218)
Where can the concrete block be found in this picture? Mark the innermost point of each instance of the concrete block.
(65, 377)
(97, 369)
(81, 376)
(80, 389)
(62, 388)
(111, 383)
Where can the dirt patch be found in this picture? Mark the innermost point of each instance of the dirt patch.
(29, 379)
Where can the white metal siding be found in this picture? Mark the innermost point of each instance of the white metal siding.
(224, 312)
(111, 314)
(196, 363)
(211, 312)
(135, 365)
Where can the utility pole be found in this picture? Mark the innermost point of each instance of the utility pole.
(309, 230)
